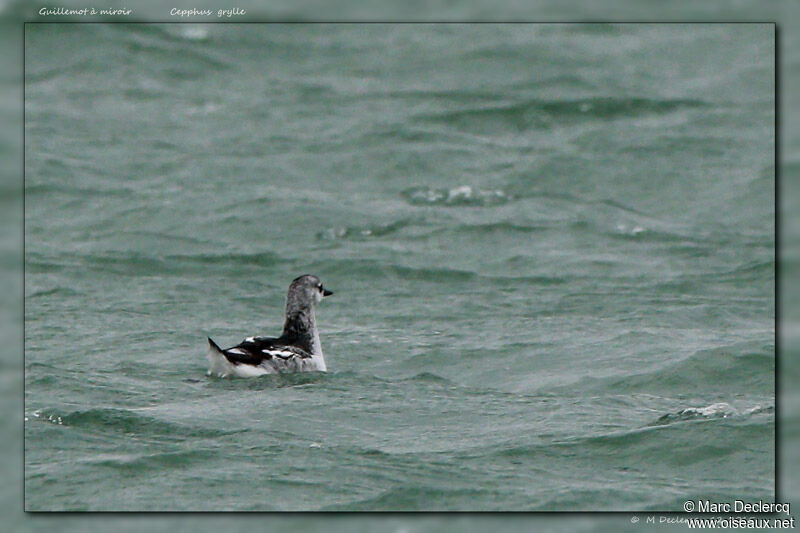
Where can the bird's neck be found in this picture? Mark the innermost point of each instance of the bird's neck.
(300, 328)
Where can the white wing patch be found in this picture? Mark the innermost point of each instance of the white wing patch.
(283, 354)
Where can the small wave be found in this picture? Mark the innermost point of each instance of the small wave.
(657, 443)
(687, 145)
(143, 94)
(463, 195)
(134, 368)
(429, 377)
(630, 230)
(715, 410)
(77, 190)
(373, 269)
(502, 228)
(57, 291)
(65, 70)
(515, 281)
(156, 461)
(420, 498)
(750, 272)
(257, 258)
(124, 421)
(140, 263)
(170, 48)
(747, 364)
(194, 33)
(365, 232)
(548, 113)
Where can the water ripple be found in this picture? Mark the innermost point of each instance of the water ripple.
(463, 195)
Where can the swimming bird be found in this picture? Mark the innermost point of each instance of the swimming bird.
(297, 350)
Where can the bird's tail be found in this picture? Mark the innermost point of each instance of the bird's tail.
(213, 345)
(218, 365)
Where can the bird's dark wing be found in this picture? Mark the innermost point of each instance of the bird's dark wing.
(256, 350)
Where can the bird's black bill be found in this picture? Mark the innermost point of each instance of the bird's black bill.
(326, 292)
